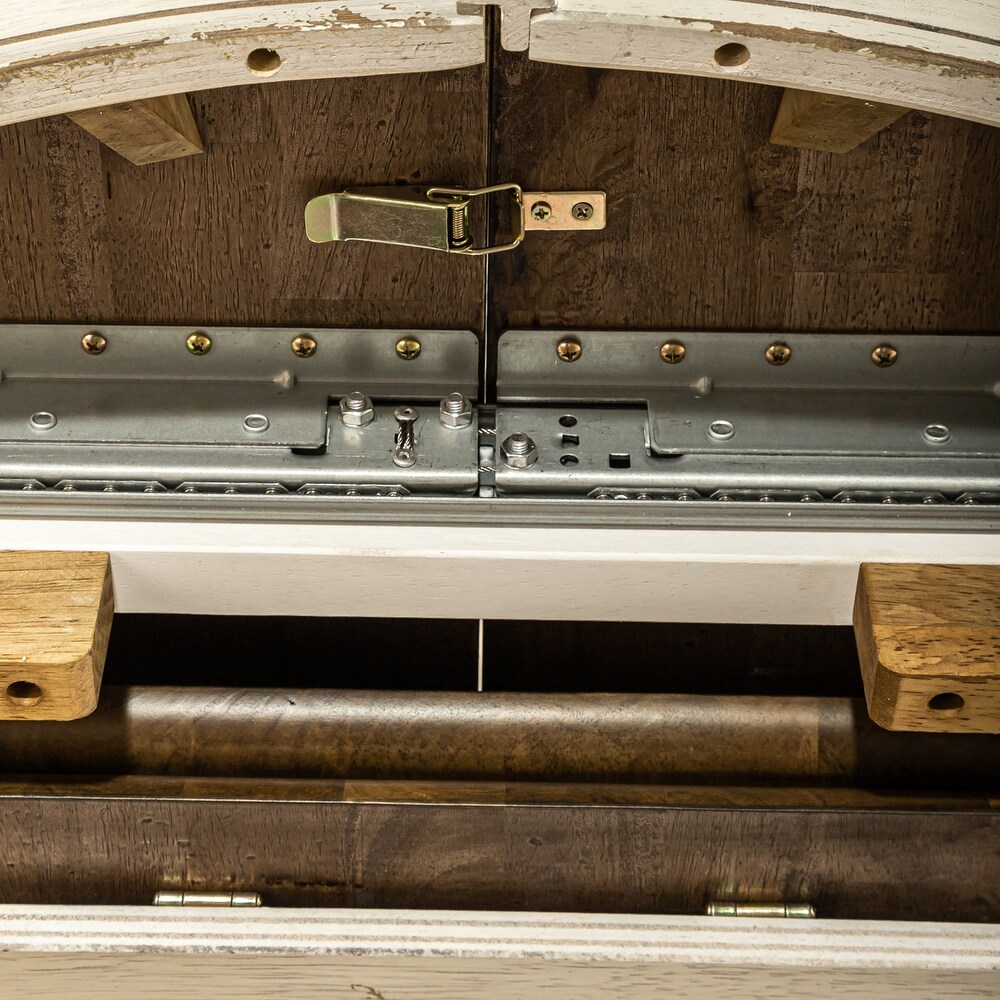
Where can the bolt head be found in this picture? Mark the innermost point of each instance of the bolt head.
(582, 211)
(569, 350)
(518, 451)
(884, 356)
(451, 415)
(541, 211)
(354, 413)
(778, 354)
(673, 352)
(304, 347)
(94, 343)
(199, 343)
(408, 349)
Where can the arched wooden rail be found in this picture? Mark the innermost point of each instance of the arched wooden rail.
(59, 56)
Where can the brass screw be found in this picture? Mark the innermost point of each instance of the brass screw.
(541, 211)
(778, 354)
(582, 211)
(199, 343)
(673, 352)
(94, 343)
(303, 347)
(569, 350)
(408, 348)
(884, 355)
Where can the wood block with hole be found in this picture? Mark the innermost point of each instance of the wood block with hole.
(55, 620)
(929, 643)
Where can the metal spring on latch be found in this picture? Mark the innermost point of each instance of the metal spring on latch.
(456, 225)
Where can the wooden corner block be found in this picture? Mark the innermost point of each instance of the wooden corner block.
(55, 621)
(149, 131)
(829, 123)
(929, 643)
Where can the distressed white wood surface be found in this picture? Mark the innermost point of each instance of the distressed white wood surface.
(482, 571)
(63, 55)
(942, 58)
(91, 952)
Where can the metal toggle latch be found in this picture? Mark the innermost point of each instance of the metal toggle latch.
(437, 218)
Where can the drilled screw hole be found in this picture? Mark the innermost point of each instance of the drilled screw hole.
(24, 693)
(263, 62)
(946, 703)
(731, 54)
(567, 421)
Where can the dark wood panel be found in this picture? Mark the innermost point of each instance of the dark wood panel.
(584, 848)
(711, 227)
(219, 239)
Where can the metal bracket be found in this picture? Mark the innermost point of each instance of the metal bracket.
(437, 218)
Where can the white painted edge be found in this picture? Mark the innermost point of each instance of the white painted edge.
(555, 937)
(805, 577)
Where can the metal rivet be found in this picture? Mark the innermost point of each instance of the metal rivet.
(94, 343)
(541, 211)
(255, 423)
(408, 348)
(721, 430)
(199, 343)
(43, 420)
(673, 352)
(569, 350)
(884, 356)
(778, 354)
(303, 347)
(936, 434)
(582, 211)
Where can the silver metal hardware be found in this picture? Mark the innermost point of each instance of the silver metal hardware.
(793, 910)
(437, 218)
(43, 420)
(456, 410)
(936, 434)
(356, 409)
(187, 898)
(518, 451)
(405, 453)
(255, 423)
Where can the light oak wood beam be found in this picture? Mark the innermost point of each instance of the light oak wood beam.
(829, 123)
(929, 643)
(55, 621)
(149, 131)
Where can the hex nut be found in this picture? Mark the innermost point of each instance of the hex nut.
(518, 451)
(355, 415)
(454, 416)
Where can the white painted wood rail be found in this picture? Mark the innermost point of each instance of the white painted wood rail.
(126, 952)
(62, 55)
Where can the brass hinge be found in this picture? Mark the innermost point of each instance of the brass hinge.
(165, 898)
(799, 910)
(437, 218)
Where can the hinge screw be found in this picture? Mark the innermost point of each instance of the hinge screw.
(303, 347)
(778, 354)
(94, 343)
(541, 211)
(582, 211)
(884, 355)
(673, 352)
(569, 350)
(408, 348)
(199, 343)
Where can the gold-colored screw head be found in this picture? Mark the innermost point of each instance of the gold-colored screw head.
(199, 343)
(408, 348)
(303, 347)
(94, 343)
(582, 211)
(884, 355)
(541, 211)
(778, 354)
(673, 352)
(569, 350)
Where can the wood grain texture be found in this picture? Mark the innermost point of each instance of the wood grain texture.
(600, 848)
(56, 619)
(714, 228)
(220, 238)
(670, 739)
(807, 120)
(929, 645)
(107, 951)
(159, 128)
